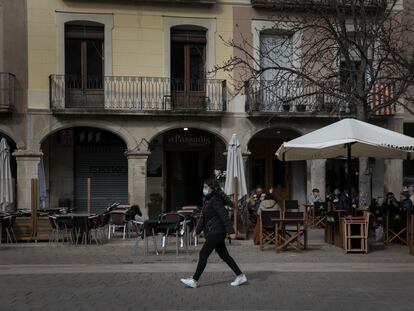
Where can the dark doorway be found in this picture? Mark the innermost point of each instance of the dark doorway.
(190, 160)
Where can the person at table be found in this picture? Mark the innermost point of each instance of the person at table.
(406, 202)
(390, 202)
(251, 206)
(268, 203)
(216, 224)
(314, 197)
(346, 202)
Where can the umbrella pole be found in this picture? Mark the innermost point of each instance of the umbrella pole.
(235, 202)
(349, 177)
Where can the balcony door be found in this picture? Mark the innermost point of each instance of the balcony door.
(84, 65)
(188, 50)
(275, 51)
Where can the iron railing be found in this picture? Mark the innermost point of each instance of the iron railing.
(320, 4)
(7, 91)
(291, 97)
(299, 97)
(137, 94)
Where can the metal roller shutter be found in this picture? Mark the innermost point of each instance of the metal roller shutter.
(108, 168)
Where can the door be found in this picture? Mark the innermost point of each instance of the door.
(183, 180)
(188, 48)
(84, 61)
(267, 170)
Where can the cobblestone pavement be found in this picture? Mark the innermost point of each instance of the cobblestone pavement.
(113, 277)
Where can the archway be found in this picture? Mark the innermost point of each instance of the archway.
(288, 179)
(73, 155)
(181, 159)
(13, 164)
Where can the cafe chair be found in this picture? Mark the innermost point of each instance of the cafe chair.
(289, 205)
(319, 215)
(180, 231)
(60, 231)
(268, 226)
(294, 227)
(118, 220)
(9, 224)
(396, 226)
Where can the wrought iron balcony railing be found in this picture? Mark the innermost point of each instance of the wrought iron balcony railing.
(320, 4)
(7, 91)
(120, 94)
(291, 97)
(300, 98)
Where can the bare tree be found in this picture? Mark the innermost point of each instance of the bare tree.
(352, 57)
(355, 56)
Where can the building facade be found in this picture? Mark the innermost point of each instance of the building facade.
(125, 93)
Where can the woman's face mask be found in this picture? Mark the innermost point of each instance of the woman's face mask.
(205, 191)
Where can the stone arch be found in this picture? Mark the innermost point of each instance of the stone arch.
(9, 133)
(273, 127)
(128, 139)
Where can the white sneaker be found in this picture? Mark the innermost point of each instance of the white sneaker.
(190, 282)
(240, 279)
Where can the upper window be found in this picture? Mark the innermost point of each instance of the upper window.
(275, 51)
(84, 55)
(188, 56)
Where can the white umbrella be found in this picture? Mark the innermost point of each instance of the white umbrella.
(235, 168)
(6, 182)
(346, 137)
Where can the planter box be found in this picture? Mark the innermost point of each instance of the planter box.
(23, 229)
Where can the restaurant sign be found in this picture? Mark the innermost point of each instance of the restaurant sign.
(190, 140)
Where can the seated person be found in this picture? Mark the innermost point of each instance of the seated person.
(268, 203)
(390, 202)
(314, 196)
(406, 202)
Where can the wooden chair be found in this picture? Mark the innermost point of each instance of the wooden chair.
(396, 230)
(319, 214)
(268, 225)
(294, 227)
(289, 205)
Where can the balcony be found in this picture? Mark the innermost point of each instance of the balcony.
(321, 4)
(297, 98)
(136, 95)
(7, 91)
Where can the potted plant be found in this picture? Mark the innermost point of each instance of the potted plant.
(328, 106)
(155, 205)
(301, 108)
(286, 107)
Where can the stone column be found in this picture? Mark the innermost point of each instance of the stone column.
(317, 170)
(137, 179)
(393, 169)
(27, 169)
(245, 156)
(393, 176)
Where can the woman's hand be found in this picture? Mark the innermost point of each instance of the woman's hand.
(233, 236)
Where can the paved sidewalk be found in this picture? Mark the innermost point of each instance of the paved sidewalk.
(113, 277)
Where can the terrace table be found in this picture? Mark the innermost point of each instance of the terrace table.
(79, 223)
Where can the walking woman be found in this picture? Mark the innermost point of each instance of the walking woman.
(216, 224)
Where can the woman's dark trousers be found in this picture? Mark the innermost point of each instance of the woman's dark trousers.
(215, 242)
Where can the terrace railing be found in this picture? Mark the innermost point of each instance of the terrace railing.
(131, 94)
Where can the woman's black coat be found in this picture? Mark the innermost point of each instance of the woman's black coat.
(215, 218)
